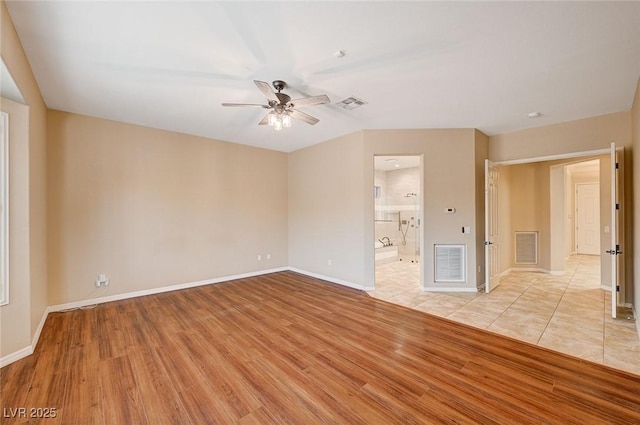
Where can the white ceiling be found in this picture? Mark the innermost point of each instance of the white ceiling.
(395, 162)
(482, 65)
(8, 87)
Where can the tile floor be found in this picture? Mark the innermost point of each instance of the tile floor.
(568, 313)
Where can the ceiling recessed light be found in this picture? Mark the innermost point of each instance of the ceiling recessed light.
(534, 114)
(397, 165)
(340, 53)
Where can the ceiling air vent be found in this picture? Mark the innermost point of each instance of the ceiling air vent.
(351, 103)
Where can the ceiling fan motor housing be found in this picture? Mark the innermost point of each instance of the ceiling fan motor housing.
(284, 99)
(279, 85)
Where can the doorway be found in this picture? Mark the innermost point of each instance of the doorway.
(398, 224)
(553, 204)
(587, 214)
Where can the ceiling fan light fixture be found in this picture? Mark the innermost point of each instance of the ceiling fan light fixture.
(286, 120)
(282, 109)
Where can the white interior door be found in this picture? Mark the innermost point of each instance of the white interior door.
(588, 219)
(491, 243)
(614, 252)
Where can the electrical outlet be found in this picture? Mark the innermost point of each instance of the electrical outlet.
(259, 257)
(102, 280)
(328, 262)
(268, 256)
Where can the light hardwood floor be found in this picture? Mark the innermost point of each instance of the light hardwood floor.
(289, 349)
(569, 313)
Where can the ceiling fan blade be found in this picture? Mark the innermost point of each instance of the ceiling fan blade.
(313, 100)
(246, 104)
(265, 120)
(265, 88)
(304, 117)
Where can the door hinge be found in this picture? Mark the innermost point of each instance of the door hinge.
(617, 165)
(617, 206)
(617, 288)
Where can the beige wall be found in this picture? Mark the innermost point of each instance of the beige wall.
(505, 207)
(33, 214)
(569, 137)
(326, 194)
(15, 317)
(450, 170)
(530, 208)
(526, 195)
(151, 208)
(635, 125)
(331, 203)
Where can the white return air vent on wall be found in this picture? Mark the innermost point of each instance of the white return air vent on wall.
(450, 263)
(526, 248)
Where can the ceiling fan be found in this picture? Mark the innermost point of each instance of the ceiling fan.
(282, 108)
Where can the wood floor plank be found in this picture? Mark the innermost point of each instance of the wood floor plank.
(224, 381)
(83, 394)
(157, 393)
(122, 403)
(14, 378)
(51, 373)
(285, 348)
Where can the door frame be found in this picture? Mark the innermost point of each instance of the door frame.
(420, 205)
(577, 155)
(491, 245)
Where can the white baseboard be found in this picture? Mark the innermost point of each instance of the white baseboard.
(530, 269)
(15, 356)
(26, 351)
(328, 278)
(36, 336)
(160, 290)
(449, 289)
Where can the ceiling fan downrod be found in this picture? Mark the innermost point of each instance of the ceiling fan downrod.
(279, 85)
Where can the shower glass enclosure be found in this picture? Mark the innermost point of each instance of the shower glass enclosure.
(397, 206)
(408, 227)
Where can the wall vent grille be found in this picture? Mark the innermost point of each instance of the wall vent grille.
(450, 263)
(526, 248)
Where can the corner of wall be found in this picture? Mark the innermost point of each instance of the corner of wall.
(635, 154)
(30, 166)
